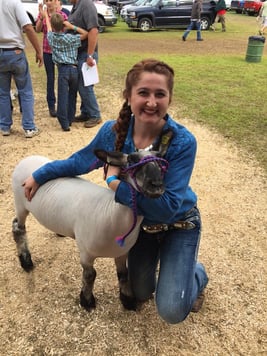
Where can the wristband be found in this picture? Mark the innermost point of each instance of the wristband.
(75, 28)
(89, 56)
(111, 179)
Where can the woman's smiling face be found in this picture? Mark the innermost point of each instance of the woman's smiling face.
(150, 98)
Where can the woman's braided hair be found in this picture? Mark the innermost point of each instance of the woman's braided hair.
(133, 76)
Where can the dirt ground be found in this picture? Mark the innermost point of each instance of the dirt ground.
(40, 312)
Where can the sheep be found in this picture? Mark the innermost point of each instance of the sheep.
(88, 213)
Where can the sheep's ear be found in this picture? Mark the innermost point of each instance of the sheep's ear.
(114, 158)
(164, 142)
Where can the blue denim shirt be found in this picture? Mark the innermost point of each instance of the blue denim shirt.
(178, 197)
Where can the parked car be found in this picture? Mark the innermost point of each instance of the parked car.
(122, 3)
(106, 16)
(237, 6)
(168, 14)
(252, 7)
(228, 4)
(123, 11)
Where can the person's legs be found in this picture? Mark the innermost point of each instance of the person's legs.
(89, 105)
(181, 279)
(73, 88)
(222, 21)
(187, 31)
(63, 93)
(50, 81)
(5, 84)
(198, 29)
(264, 25)
(142, 263)
(23, 82)
(213, 27)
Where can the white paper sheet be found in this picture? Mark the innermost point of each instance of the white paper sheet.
(90, 74)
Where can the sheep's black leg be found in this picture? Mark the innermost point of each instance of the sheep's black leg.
(87, 299)
(20, 237)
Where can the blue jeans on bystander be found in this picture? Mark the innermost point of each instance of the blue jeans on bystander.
(14, 64)
(89, 106)
(50, 80)
(194, 24)
(67, 94)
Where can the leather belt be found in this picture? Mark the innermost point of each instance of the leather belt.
(11, 49)
(65, 64)
(153, 229)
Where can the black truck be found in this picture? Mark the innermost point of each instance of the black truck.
(164, 14)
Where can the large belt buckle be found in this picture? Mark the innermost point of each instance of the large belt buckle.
(154, 229)
(185, 225)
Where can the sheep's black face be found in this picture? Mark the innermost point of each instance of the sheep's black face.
(149, 179)
(144, 170)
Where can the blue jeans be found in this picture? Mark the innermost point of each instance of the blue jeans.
(67, 94)
(89, 105)
(14, 64)
(193, 25)
(50, 80)
(180, 278)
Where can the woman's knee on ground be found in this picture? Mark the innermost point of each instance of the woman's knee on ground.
(173, 313)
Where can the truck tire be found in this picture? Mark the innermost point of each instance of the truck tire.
(101, 23)
(145, 24)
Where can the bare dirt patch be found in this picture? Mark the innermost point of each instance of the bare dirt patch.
(40, 312)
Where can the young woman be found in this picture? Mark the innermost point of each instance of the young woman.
(170, 233)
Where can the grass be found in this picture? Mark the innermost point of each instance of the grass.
(215, 86)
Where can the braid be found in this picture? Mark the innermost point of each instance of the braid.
(122, 125)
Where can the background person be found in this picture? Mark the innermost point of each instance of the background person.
(220, 9)
(263, 15)
(41, 26)
(64, 54)
(14, 64)
(195, 22)
(142, 122)
(84, 15)
(61, 8)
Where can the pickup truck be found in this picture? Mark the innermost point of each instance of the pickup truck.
(106, 16)
(237, 6)
(252, 7)
(164, 14)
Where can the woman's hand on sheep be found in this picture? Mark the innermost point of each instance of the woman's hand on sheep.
(30, 187)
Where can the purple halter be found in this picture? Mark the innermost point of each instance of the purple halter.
(131, 170)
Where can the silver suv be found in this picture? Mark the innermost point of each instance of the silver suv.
(106, 16)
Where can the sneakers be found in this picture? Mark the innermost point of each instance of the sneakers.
(183, 38)
(31, 133)
(5, 132)
(92, 122)
(200, 39)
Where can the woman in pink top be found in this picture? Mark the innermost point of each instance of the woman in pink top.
(52, 6)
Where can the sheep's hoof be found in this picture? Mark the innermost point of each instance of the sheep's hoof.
(87, 305)
(129, 303)
(26, 262)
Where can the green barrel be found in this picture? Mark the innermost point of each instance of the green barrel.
(255, 48)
